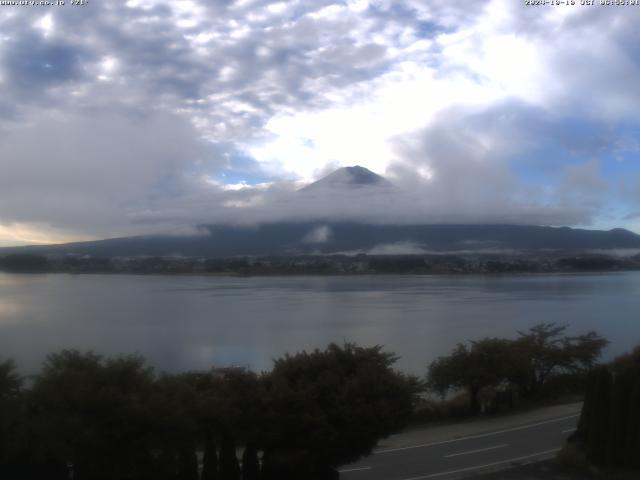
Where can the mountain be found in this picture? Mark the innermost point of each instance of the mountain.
(348, 178)
(289, 238)
(325, 237)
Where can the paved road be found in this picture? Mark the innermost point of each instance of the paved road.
(459, 457)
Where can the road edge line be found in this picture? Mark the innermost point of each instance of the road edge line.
(480, 467)
(472, 437)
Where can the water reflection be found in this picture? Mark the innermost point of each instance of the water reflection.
(194, 322)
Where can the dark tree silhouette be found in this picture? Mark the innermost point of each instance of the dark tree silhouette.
(210, 459)
(485, 363)
(93, 413)
(632, 441)
(24, 262)
(250, 463)
(12, 446)
(10, 381)
(229, 466)
(548, 352)
(526, 363)
(609, 426)
(188, 464)
(327, 408)
(167, 465)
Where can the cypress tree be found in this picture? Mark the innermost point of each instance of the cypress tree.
(229, 467)
(275, 467)
(618, 414)
(188, 464)
(266, 471)
(599, 425)
(609, 425)
(250, 463)
(167, 465)
(583, 433)
(210, 459)
(48, 467)
(632, 441)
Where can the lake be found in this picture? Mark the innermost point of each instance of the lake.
(195, 322)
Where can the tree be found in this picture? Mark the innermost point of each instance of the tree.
(210, 459)
(236, 404)
(166, 465)
(10, 381)
(229, 467)
(250, 463)
(609, 426)
(490, 362)
(94, 413)
(627, 362)
(626, 369)
(549, 352)
(597, 442)
(24, 262)
(631, 453)
(178, 427)
(11, 419)
(188, 464)
(527, 362)
(327, 408)
(618, 416)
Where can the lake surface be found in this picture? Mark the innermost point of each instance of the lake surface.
(194, 322)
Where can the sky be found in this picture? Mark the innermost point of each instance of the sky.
(148, 116)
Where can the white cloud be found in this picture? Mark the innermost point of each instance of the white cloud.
(318, 235)
(88, 172)
(443, 96)
(364, 132)
(45, 25)
(475, 69)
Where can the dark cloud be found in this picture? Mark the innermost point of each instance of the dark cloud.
(46, 64)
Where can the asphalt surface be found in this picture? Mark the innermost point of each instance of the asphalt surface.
(468, 455)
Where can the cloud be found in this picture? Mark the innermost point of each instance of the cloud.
(89, 171)
(318, 235)
(398, 248)
(153, 116)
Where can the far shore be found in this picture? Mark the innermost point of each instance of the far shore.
(320, 265)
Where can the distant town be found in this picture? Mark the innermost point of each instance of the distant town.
(564, 262)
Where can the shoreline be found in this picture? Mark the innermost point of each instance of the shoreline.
(326, 265)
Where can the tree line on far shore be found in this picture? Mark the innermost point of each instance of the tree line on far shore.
(434, 263)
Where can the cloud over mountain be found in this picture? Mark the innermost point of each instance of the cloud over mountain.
(155, 116)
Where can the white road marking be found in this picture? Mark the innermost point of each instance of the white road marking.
(478, 467)
(472, 437)
(354, 469)
(569, 430)
(476, 451)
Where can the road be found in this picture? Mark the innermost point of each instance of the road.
(459, 457)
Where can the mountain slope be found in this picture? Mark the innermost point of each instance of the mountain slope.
(349, 184)
(313, 237)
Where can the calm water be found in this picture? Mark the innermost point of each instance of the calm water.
(194, 322)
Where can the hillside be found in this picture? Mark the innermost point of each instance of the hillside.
(347, 237)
